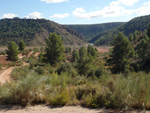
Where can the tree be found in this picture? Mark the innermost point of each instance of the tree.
(12, 51)
(75, 56)
(54, 49)
(131, 37)
(67, 50)
(143, 51)
(21, 45)
(122, 54)
(91, 51)
(148, 31)
(84, 62)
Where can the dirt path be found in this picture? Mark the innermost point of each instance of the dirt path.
(67, 109)
(5, 75)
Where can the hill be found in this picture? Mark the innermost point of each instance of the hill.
(90, 31)
(34, 31)
(139, 23)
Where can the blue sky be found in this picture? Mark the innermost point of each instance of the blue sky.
(75, 11)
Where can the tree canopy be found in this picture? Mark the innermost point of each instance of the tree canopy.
(122, 53)
(12, 51)
(54, 49)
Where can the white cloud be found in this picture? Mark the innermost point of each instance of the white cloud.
(54, 1)
(144, 10)
(109, 11)
(114, 9)
(124, 2)
(34, 15)
(60, 15)
(9, 15)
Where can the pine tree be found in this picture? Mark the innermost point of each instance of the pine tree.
(148, 31)
(92, 51)
(84, 62)
(75, 56)
(122, 53)
(12, 51)
(21, 45)
(54, 49)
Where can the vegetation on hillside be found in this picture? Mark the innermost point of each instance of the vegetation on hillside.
(90, 31)
(136, 24)
(119, 79)
(34, 31)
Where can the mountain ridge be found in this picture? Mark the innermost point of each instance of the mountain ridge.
(91, 30)
(138, 23)
(34, 31)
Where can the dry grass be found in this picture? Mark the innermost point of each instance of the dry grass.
(103, 49)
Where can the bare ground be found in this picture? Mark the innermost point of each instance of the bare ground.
(5, 75)
(66, 109)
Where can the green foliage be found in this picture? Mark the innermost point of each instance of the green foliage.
(58, 90)
(89, 31)
(143, 51)
(21, 45)
(84, 62)
(39, 70)
(59, 98)
(92, 51)
(131, 37)
(67, 68)
(33, 31)
(32, 62)
(148, 31)
(41, 57)
(67, 50)
(54, 49)
(20, 72)
(75, 56)
(122, 54)
(139, 24)
(12, 51)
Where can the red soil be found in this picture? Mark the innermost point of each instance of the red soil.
(3, 59)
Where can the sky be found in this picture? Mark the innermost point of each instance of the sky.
(75, 11)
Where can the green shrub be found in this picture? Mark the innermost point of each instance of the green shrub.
(20, 72)
(59, 98)
(32, 62)
(25, 59)
(99, 72)
(25, 91)
(67, 68)
(2, 52)
(39, 70)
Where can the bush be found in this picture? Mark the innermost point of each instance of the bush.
(2, 52)
(39, 70)
(99, 72)
(59, 98)
(28, 90)
(20, 72)
(67, 68)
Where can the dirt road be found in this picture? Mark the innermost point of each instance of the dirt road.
(5, 75)
(67, 109)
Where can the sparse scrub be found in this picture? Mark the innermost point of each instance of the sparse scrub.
(20, 72)
(112, 91)
(67, 68)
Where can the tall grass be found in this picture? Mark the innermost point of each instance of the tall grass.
(111, 91)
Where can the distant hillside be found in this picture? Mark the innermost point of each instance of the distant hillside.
(34, 31)
(139, 23)
(90, 31)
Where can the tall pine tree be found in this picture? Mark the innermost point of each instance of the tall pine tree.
(54, 49)
(122, 53)
(12, 51)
